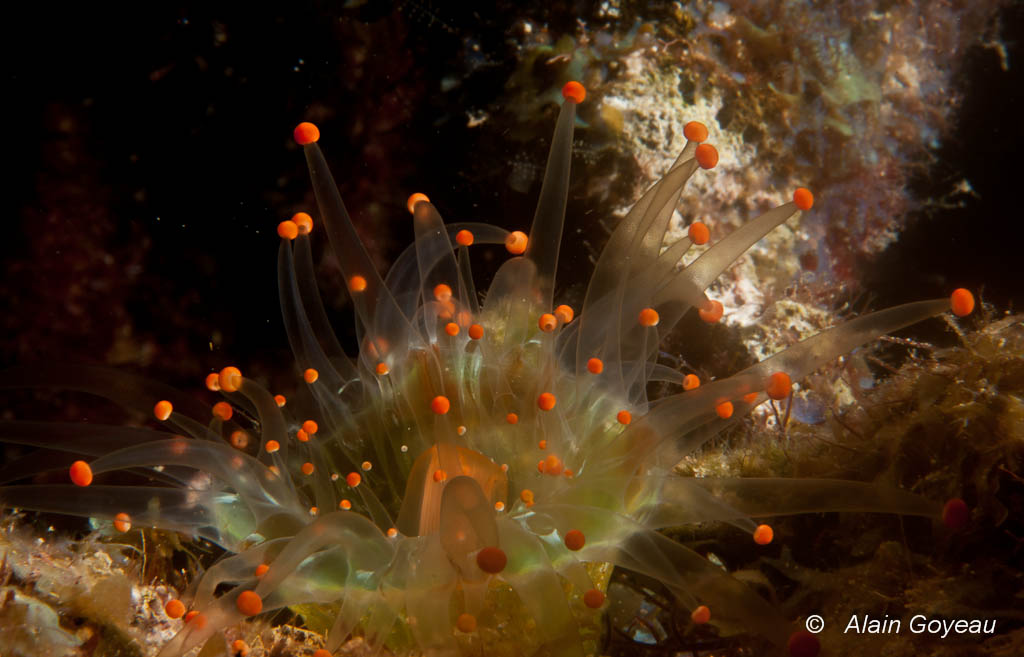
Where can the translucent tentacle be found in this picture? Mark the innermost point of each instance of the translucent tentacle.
(675, 418)
(546, 232)
(435, 258)
(760, 497)
(626, 543)
(302, 254)
(532, 576)
(377, 310)
(467, 523)
(129, 390)
(305, 345)
(218, 517)
(77, 437)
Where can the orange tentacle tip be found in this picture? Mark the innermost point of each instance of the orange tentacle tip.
(310, 427)
(451, 328)
(649, 317)
(322, 652)
(307, 468)
(564, 313)
(466, 623)
(442, 292)
(357, 284)
(122, 522)
(955, 514)
(595, 366)
(249, 603)
(413, 199)
(700, 615)
(961, 302)
(353, 479)
(306, 133)
(547, 322)
(803, 199)
(706, 156)
(691, 382)
(712, 311)
(464, 237)
(310, 375)
(724, 410)
(695, 131)
(440, 405)
(382, 368)
(223, 411)
(261, 570)
(546, 401)
(272, 446)
(213, 382)
(624, 417)
(763, 535)
(475, 331)
(287, 230)
(512, 418)
(81, 473)
(778, 387)
(516, 242)
(803, 643)
(593, 598)
(699, 233)
(491, 560)
(574, 92)
(230, 379)
(304, 222)
(575, 540)
(163, 409)
(174, 608)
(280, 400)
(239, 648)
(446, 308)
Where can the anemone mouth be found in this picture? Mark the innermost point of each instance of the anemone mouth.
(427, 483)
(477, 466)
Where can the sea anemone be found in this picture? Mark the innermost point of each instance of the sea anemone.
(454, 484)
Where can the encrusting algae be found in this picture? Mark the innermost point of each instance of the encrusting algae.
(461, 486)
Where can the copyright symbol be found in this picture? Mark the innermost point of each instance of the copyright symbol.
(814, 624)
